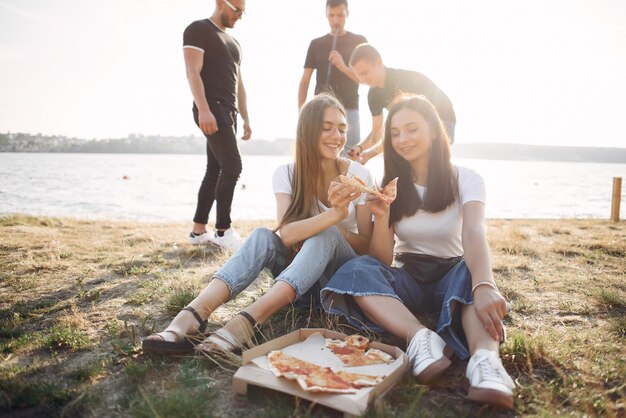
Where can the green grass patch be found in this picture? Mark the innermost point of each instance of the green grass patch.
(12, 345)
(89, 371)
(133, 268)
(64, 337)
(180, 298)
(141, 298)
(521, 352)
(611, 298)
(45, 396)
(618, 326)
(31, 308)
(174, 403)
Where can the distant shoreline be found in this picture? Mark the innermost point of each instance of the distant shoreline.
(194, 145)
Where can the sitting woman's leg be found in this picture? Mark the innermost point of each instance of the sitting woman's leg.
(262, 249)
(489, 381)
(380, 298)
(319, 257)
(390, 314)
(463, 330)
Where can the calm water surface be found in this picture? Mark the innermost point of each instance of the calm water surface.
(148, 187)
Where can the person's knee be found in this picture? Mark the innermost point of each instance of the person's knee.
(325, 237)
(262, 237)
(231, 168)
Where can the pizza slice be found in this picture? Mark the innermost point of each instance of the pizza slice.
(358, 184)
(314, 378)
(325, 380)
(282, 364)
(387, 194)
(390, 191)
(352, 352)
(309, 376)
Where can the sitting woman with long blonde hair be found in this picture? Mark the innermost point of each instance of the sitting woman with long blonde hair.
(322, 223)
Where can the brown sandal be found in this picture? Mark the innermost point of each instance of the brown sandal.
(223, 341)
(183, 343)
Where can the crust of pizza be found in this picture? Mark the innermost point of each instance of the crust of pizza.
(360, 380)
(359, 184)
(357, 341)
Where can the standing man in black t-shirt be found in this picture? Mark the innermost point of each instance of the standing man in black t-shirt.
(385, 84)
(212, 59)
(328, 56)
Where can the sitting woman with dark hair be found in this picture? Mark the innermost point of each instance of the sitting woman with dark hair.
(436, 228)
(322, 223)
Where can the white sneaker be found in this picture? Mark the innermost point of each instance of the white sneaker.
(230, 241)
(489, 382)
(426, 352)
(203, 238)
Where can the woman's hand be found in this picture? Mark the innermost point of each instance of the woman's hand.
(490, 307)
(377, 206)
(339, 196)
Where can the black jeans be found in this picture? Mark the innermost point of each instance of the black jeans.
(223, 167)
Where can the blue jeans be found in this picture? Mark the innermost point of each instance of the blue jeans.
(318, 259)
(366, 276)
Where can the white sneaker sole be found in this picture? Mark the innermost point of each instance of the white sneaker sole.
(435, 370)
(490, 397)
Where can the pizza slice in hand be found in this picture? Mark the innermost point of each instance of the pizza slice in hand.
(387, 194)
(390, 191)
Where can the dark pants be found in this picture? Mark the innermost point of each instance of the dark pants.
(222, 169)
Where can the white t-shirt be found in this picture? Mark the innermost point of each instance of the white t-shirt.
(439, 234)
(281, 183)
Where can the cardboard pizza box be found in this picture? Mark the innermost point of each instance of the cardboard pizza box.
(251, 372)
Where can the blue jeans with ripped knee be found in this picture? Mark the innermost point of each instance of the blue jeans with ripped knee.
(318, 259)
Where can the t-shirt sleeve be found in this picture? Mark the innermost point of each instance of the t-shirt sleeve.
(281, 179)
(471, 186)
(193, 37)
(309, 62)
(375, 102)
(364, 174)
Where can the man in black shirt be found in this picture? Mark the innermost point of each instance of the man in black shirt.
(386, 84)
(212, 59)
(328, 56)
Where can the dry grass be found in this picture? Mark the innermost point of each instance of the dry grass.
(77, 297)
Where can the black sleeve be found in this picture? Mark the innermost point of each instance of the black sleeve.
(194, 36)
(375, 102)
(309, 62)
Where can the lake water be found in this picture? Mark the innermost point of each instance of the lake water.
(147, 187)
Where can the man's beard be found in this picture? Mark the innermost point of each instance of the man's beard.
(225, 21)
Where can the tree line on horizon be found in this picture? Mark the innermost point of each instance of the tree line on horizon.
(158, 144)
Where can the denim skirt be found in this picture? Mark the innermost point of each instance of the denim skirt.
(366, 276)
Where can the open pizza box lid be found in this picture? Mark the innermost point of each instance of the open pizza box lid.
(308, 344)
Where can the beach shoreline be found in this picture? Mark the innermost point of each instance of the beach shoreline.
(77, 297)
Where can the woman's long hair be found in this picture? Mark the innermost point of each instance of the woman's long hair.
(442, 182)
(308, 176)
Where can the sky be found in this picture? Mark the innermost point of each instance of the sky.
(527, 71)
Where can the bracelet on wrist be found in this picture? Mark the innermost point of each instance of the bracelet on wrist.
(485, 284)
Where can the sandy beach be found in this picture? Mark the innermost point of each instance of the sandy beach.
(77, 297)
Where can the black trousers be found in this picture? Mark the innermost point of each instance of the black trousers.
(222, 169)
